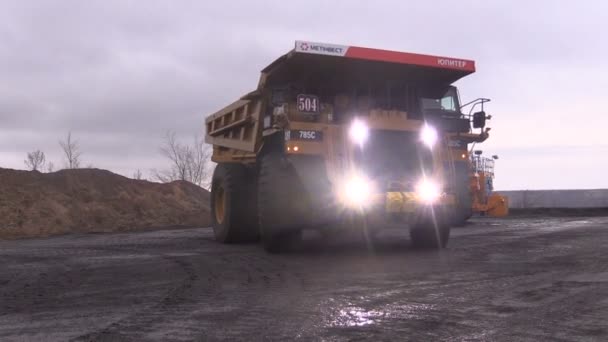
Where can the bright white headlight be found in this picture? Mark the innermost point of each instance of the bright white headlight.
(356, 191)
(429, 135)
(358, 132)
(428, 191)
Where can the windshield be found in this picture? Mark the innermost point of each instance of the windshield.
(448, 102)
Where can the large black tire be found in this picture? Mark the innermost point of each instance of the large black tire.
(430, 234)
(461, 216)
(234, 204)
(281, 205)
(463, 210)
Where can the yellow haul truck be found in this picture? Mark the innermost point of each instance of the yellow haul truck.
(337, 132)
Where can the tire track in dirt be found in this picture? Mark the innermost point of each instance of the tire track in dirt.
(134, 324)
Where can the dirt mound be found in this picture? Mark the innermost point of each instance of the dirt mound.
(93, 200)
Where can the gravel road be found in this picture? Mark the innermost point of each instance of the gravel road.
(500, 280)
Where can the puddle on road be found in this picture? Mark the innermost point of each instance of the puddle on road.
(356, 317)
(576, 223)
(351, 315)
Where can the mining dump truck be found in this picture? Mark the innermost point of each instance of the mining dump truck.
(337, 134)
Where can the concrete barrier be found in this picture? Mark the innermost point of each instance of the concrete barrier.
(530, 199)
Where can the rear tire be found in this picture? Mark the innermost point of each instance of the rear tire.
(281, 207)
(233, 204)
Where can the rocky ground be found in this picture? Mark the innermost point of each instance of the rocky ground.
(532, 279)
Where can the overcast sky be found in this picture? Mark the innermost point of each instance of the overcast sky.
(119, 74)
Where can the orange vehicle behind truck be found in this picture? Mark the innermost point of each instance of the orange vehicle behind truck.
(484, 200)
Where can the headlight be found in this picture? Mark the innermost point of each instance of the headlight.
(428, 135)
(358, 132)
(356, 191)
(428, 191)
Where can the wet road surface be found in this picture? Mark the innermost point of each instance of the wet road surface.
(499, 280)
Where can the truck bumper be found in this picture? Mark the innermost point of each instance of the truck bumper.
(408, 202)
(402, 210)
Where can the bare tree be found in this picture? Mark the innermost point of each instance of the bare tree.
(187, 162)
(138, 175)
(35, 160)
(50, 167)
(71, 150)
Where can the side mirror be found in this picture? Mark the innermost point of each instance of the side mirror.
(478, 152)
(479, 119)
(494, 157)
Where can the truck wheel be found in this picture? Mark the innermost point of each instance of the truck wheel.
(461, 216)
(431, 236)
(233, 204)
(280, 207)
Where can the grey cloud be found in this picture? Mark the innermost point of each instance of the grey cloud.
(121, 73)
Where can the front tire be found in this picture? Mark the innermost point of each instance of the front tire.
(461, 216)
(430, 233)
(277, 242)
(281, 210)
(233, 204)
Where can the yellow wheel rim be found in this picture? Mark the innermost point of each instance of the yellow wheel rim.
(220, 204)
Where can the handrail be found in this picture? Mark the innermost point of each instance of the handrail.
(480, 100)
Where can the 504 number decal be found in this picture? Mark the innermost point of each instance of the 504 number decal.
(308, 104)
